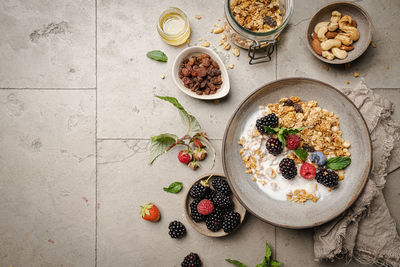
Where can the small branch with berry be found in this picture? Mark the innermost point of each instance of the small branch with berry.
(195, 141)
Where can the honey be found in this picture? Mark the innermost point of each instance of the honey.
(173, 26)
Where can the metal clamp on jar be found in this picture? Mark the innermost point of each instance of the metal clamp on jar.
(260, 44)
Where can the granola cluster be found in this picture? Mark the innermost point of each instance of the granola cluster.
(301, 196)
(257, 15)
(321, 131)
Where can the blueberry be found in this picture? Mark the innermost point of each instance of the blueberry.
(318, 158)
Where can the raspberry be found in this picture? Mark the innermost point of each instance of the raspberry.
(292, 141)
(307, 171)
(184, 157)
(205, 207)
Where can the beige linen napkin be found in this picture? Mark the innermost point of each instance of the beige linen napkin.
(366, 232)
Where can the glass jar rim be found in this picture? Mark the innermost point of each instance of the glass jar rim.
(277, 30)
(162, 15)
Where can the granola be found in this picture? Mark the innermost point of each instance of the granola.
(257, 15)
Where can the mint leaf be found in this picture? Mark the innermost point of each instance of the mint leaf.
(189, 120)
(301, 153)
(275, 263)
(338, 163)
(157, 55)
(282, 138)
(235, 262)
(160, 143)
(174, 188)
(209, 146)
(267, 252)
(293, 130)
(270, 130)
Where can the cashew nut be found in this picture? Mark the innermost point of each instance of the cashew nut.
(328, 55)
(344, 21)
(335, 16)
(319, 25)
(339, 53)
(321, 33)
(333, 26)
(328, 44)
(344, 38)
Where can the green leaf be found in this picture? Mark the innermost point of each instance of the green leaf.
(209, 146)
(174, 188)
(301, 153)
(338, 163)
(160, 143)
(270, 130)
(293, 131)
(282, 138)
(235, 262)
(157, 55)
(275, 263)
(188, 120)
(267, 252)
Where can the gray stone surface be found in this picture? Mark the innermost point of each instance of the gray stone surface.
(47, 44)
(57, 210)
(47, 178)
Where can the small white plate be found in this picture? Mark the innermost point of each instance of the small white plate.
(196, 50)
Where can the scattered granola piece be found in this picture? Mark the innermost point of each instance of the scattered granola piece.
(347, 66)
(216, 101)
(200, 39)
(211, 30)
(325, 67)
(219, 19)
(373, 44)
(236, 51)
(347, 82)
(216, 25)
(356, 74)
(387, 67)
(221, 42)
(162, 76)
(205, 44)
(197, 17)
(230, 67)
(218, 30)
(226, 46)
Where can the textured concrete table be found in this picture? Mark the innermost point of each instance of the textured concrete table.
(77, 111)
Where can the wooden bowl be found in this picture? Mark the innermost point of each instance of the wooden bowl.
(201, 226)
(364, 26)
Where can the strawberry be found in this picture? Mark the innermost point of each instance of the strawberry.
(205, 207)
(200, 154)
(292, 141)
(198, 143)
(150, 212)
(184, 157)
(307, 171)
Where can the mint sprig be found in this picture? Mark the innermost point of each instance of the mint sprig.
(267, 261)
(157, 55)
(174, 188)
(301, 153)
(338, 163)
(282, 132)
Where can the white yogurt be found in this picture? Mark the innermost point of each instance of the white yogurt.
(275, 186)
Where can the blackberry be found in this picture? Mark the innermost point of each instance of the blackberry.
(288, 168)
(274, 146)
(231, 222)
(221, 185)
(210, 196)
(176, 229)
(194, 214)
(214, 221)
(199, 190)
(221, 200)
(191, 260)
(327, 177)
(270, 120)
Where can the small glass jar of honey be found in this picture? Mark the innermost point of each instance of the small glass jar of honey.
(173, 26)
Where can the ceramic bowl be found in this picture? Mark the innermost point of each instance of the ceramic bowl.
(285, 213)
(364, 26)
(201, 226)
(194, 51)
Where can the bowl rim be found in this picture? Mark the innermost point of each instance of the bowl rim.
(194, 224)
(225, 88)
(357, 193)
(335, 61)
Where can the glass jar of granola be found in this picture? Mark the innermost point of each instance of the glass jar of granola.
(256, 24)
